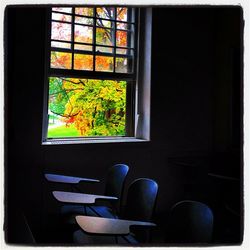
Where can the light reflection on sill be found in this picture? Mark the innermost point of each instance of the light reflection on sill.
(91, 141)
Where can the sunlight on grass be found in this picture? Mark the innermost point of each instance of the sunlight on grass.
(63, 131)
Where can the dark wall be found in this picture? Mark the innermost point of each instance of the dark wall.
(194, 113)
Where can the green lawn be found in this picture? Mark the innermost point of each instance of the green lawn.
(63, 131)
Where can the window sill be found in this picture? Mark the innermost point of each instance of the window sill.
(91, 141)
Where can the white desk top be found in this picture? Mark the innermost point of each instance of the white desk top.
(67, 179)
(81, 198)
(98, 225)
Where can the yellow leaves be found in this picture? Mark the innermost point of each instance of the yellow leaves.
(104, 92)
(82, 124)
(98, 106)
(84, 11)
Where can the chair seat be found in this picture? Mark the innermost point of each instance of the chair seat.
(81, 238)
(72, 209)
(102, 211)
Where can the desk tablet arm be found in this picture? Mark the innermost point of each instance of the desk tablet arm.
(80, 198)
(107, 226)
(68, 179)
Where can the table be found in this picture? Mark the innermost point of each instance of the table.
(67, 179)
(71, 197)
(107, 226)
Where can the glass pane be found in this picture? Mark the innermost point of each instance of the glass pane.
(84, 11)
(83, 34)
(104, 49)
(124, 51)
(62, 9)
(61, 31)
(61, 17)
(121, 38)
(83, 62)
(104, 63)
(122, 14)
(103, 23)
(104, 36)
(60, 60)
(84, 20)
(123, 65)
(86, 107)
(106, 12)
(122, 26)
(83, 47)
(60, 45)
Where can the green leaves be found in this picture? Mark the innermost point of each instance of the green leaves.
(94, 107)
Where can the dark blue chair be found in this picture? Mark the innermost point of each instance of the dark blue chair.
(114, 187)
(190, 222)
(140, 205)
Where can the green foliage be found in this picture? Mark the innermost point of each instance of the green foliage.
(94, 107)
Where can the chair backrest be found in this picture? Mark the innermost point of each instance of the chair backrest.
(115, 182)
(141, 199)
(191, 222)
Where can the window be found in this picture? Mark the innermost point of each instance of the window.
(92, 77)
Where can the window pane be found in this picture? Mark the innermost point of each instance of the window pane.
(104, 63)
(62, 9)
(106, 12)
(61, 17)
(121, 38)
(83, 47)
(60, 60)
(103, 23)
(86, 107)
(84, 11)
(84, 20)
(83, 62)
(60, 45)
(124, 52)
(122, 14)
(123, 65)
(104, 36)
(104, 49)
(61, 31)
(83, 34)
(122, 26)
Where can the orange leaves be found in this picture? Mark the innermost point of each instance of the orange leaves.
(90, 37)
(104, 63)
(61, 60)
(122, 13)
(121, 38)
(69, 120)
(83, 62)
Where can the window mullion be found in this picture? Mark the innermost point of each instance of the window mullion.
(114, 49)
(94, 39)
(73, 37)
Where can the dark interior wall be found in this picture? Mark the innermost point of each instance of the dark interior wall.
(191, 112)
(24, 69)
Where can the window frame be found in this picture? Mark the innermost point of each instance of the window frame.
(135, 103)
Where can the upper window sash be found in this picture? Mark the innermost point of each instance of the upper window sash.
(89, 42)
